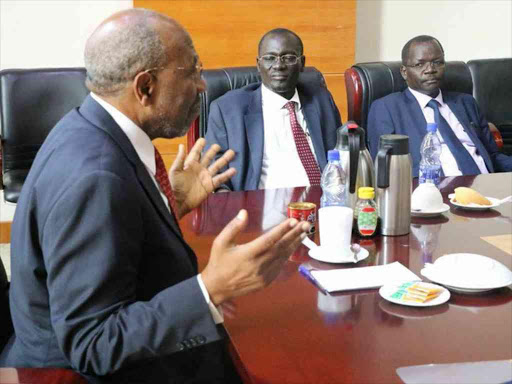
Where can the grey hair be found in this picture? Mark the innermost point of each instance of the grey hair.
(116, 59)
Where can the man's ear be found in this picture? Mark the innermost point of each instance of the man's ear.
(403, 72)
(258, 65)
(143, 87)
(303, 62)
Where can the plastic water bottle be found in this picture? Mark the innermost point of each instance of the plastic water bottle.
(333, 182)
(430, 164)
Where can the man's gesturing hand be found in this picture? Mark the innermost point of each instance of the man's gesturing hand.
(235, 270)
(193, 178)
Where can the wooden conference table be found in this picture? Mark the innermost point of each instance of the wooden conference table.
(292, 333)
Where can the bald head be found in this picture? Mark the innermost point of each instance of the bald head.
(127, 43)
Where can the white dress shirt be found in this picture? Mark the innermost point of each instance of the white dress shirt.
(146, 151)
(281, 166)
(448, 162)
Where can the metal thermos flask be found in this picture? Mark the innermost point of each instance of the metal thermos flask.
(355, 159)
(393, 171)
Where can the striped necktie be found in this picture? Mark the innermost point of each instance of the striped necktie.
(303, 149)
(162, 177)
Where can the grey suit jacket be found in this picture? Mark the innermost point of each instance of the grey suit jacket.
(102, 280)
(236, 122)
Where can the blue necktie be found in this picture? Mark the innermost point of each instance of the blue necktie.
(464, 160)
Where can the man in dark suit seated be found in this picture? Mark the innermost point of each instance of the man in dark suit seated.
(280, 131)
(103, 281)
(468, 147)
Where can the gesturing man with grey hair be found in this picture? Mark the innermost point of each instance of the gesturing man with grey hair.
(102, 280)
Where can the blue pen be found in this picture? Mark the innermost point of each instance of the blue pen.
(306, 272)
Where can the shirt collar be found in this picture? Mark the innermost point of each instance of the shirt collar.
(275, 101)
(424, 99)
(139, 139)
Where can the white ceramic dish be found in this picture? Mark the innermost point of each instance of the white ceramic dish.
(320, 254)
(473, 206)
(432, 213)
(468, 273)
(386, 291)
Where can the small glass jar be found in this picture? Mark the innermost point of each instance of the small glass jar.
(366, 216)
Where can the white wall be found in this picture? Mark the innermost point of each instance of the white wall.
(36, 33)
(466, 29)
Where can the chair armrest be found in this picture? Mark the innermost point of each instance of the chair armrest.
(354, 90)
(497, 135)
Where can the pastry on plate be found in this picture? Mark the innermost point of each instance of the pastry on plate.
(466, 196)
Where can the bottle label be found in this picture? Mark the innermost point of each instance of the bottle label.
(367, 221)
(430, 174)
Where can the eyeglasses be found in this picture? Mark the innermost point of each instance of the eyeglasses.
(269, 60)
(422, 66)
(198, 69)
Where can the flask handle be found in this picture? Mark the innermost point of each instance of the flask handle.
(383, 163)
(353, 148)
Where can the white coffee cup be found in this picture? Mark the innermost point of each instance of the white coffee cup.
(335, 228)
(426, 197)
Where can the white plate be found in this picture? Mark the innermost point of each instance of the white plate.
(466, 290)
(468, 273)
(432, 213)
(318, 253)
(387, 290)
(473, 206)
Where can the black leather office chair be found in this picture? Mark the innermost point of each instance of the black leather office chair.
(220, 81)
(32, 101)
(492, 89)
(6, 328)
(367, 82)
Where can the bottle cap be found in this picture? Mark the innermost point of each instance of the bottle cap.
(431, 127)
(333, 155)
(366, 193)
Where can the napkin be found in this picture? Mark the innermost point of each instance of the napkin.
(363, 278)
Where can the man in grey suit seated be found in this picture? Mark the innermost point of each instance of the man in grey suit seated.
(280, 130)
(103, 281)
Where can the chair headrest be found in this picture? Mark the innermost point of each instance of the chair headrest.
(492, 80)
(379, 79)
(220, 81)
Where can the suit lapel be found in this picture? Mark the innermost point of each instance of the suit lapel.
(416, 113)
(254, 132)
(315, 130)
(97, 115)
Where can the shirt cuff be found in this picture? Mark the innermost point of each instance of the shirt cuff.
(218, 316)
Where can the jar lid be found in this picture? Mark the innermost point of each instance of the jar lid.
(366, 193)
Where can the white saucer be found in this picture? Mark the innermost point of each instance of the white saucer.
(320, 254)
(473, 206)
(432, 213)
(387, 291)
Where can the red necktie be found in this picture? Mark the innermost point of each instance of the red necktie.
(163, 179)
(303, 149)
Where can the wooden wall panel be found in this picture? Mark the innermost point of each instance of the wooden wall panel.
(226, 34)
(336, 84)
(5, 232)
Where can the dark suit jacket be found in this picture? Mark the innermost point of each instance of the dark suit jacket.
(236, 122)
(400, 113)
(102, 280)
